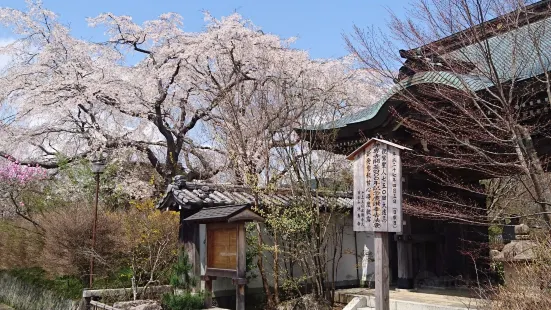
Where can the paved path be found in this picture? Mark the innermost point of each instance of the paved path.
(4, 307)
(437, 297)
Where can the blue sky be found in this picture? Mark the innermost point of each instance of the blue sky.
(319, 25)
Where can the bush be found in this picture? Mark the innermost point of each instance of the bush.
(20, 245)
(186, 301)
(182, 273)
(67, 241)
(528, 284)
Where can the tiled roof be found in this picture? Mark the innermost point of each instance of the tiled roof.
(458, 81)
(514, 56)
(189, 195)
(216, 213)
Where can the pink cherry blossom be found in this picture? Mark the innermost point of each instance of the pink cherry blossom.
(12, 172)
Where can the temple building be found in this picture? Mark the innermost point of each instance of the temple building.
(510, 52)
(432, 250)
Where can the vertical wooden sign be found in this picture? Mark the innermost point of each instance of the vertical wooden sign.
(394, 190)
(377, 187)
(361, 213)
(378, 203)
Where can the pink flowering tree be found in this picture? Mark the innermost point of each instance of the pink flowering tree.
(15, 180)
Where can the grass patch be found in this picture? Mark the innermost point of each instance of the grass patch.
(31, 291)
(69, 287)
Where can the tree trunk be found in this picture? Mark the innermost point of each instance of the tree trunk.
(260, 263)
(536, 173)
(276, 270)
(134, 288)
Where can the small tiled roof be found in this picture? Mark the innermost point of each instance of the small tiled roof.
(216, 213)
(188, 195)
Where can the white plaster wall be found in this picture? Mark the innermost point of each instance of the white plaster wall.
(347, 266)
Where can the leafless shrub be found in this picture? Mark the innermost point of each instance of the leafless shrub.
(20, 244)
(528, 284)
(67, 240)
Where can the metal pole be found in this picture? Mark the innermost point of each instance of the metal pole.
(94, 227)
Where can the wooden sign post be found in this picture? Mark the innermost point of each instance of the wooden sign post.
(378, 203)
(226, 246)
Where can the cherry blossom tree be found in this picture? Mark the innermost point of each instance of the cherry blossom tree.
(71, 97)
(255, 126)
(15, 180)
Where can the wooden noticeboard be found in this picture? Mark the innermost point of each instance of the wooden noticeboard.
(377, 187)
(378, 203)
(222, 246)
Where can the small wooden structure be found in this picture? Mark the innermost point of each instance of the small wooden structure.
(226, 246)
(378, 203)
(189, 198)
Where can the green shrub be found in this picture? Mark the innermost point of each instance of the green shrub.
(182, 278)
(117, 279)
(182, 273)
(186, 301)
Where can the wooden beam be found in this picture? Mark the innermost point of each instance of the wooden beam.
(221, 273)
(381, 271)
(208, 290)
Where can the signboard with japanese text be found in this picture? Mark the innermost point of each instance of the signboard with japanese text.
(377, 187)
(222, 246)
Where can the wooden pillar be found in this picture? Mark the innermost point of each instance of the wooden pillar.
(87, 301)
(381, 271)
(208, 290)
(405, 268)
(241, 267)
(189, 236)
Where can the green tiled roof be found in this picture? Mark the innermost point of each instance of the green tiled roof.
(515, 53)
(459, 81)
(514, 56)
